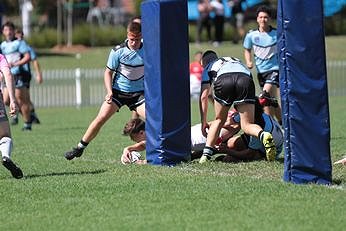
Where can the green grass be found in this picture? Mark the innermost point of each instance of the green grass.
(97, 192)
(97, 57)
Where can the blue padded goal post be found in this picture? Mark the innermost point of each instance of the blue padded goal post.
(304, 92)
(167, 89)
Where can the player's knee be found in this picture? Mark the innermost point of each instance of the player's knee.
(265, 99)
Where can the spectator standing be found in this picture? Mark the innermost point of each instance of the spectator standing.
(203, 20)
(237, 19)
(219, 21)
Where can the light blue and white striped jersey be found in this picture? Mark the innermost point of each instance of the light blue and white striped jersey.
(224, 65)
(272, 126)
(264, 45)
(14, 51)
(129, 68)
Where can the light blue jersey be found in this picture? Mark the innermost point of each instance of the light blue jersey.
(224, 65)
(14, 51)
(272, 126)
(129, 68)
(32, 53)
(265, 49)
(205, 76)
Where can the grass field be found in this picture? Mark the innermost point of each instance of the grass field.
(97, 192)
(97, 57)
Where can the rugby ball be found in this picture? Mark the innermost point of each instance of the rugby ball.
(134, 157)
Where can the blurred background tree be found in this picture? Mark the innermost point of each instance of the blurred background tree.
(101, 22)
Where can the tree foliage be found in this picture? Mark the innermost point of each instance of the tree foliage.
(10, 7)
(45, 6)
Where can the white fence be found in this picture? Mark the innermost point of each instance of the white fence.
(83, 87)
(74, 87)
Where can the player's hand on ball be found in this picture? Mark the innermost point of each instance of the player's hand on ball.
(126, 157)
(129, 157)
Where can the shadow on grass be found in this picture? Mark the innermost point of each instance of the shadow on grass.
(65, 173)
(281, 160)
(69, 128)
(337, 181)
(338, 138)
(49, 54)
(219, 158)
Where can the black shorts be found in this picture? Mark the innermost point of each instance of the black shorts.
(132, 99)
(271, 77)
(22, 80)
(237, 88)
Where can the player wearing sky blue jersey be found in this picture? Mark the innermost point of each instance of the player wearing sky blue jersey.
(124, 83)
(249, 148)
(18, 57)
(264, 46)
(263, 42)
(128, 67)
(272, 126)
(232, 83)
(33, 58)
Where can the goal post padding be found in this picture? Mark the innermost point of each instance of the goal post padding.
(304, 92)
(167, 90)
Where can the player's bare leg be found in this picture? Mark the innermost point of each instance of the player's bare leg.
(106, 111)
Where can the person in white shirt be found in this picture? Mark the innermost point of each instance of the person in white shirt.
(219, 20)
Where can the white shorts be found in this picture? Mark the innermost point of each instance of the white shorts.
(197, 139)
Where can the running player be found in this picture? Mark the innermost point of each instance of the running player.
(33, 58)
(263, 41)
(18, 57)
(125, 88)
(5, 132)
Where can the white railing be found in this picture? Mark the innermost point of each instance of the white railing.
(83, 87)
(60, 88)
